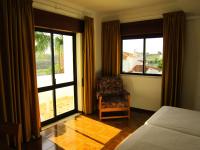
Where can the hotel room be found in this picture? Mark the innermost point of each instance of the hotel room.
(82, 74)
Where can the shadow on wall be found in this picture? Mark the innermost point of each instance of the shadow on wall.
(191, 69)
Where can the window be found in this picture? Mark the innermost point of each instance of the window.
(142, 56)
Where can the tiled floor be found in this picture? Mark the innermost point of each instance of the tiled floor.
(88, 133)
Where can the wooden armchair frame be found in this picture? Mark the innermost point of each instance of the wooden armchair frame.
(101, 110)
(100, 98)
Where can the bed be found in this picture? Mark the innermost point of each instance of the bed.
(169, 128)
(179, 119)
(149, 137)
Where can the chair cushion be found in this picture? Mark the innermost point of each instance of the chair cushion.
(114, 102)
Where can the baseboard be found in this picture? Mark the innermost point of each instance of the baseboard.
(132, 109)
(141, 110)
(81, 112)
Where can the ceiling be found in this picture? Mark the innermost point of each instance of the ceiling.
(115, 5)
(108, 6)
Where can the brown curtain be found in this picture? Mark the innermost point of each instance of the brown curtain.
(18, 89)
(173, 36)
(111, 48)
(88, 58)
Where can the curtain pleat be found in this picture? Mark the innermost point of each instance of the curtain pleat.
(18, 85)
(111, 45)
(88, 58)
(173, 49)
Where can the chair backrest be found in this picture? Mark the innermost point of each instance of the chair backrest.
(109, 85)
(13, 130)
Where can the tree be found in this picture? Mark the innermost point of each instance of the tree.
(41, 42)
(160, 64)
(58, 41)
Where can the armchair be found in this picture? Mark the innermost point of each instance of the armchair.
(112, 97)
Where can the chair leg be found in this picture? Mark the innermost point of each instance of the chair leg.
(100, 114)
(129, 114)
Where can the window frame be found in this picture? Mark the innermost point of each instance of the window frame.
(144, 37)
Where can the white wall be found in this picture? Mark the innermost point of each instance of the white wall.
(79, 61)
(145, 91)
(191, 70)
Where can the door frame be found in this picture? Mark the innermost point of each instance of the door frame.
(55, 86)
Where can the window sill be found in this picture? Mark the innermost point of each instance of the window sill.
(141, 74)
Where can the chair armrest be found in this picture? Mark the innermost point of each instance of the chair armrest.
(98, 94)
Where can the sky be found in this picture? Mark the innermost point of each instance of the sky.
(153, 45)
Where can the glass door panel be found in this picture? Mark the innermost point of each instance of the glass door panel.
(43, 59)
(46, 105)
(65, 99)
(63, 58)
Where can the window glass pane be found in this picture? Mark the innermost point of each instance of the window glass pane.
(63, 57)
(132, 59)
(65, 99)
(46, 105)
(154, 56)
(43, 59)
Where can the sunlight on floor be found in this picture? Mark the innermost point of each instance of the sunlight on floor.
(84, 133)
(75, 141)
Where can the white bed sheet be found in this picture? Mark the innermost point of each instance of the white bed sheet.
(149, 137)
(182, 120)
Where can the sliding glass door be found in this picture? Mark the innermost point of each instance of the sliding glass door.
(56, 74)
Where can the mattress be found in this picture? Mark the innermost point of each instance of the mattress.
(149, 137)
(178, 119)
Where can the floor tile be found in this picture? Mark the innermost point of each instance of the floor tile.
(86, 132)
